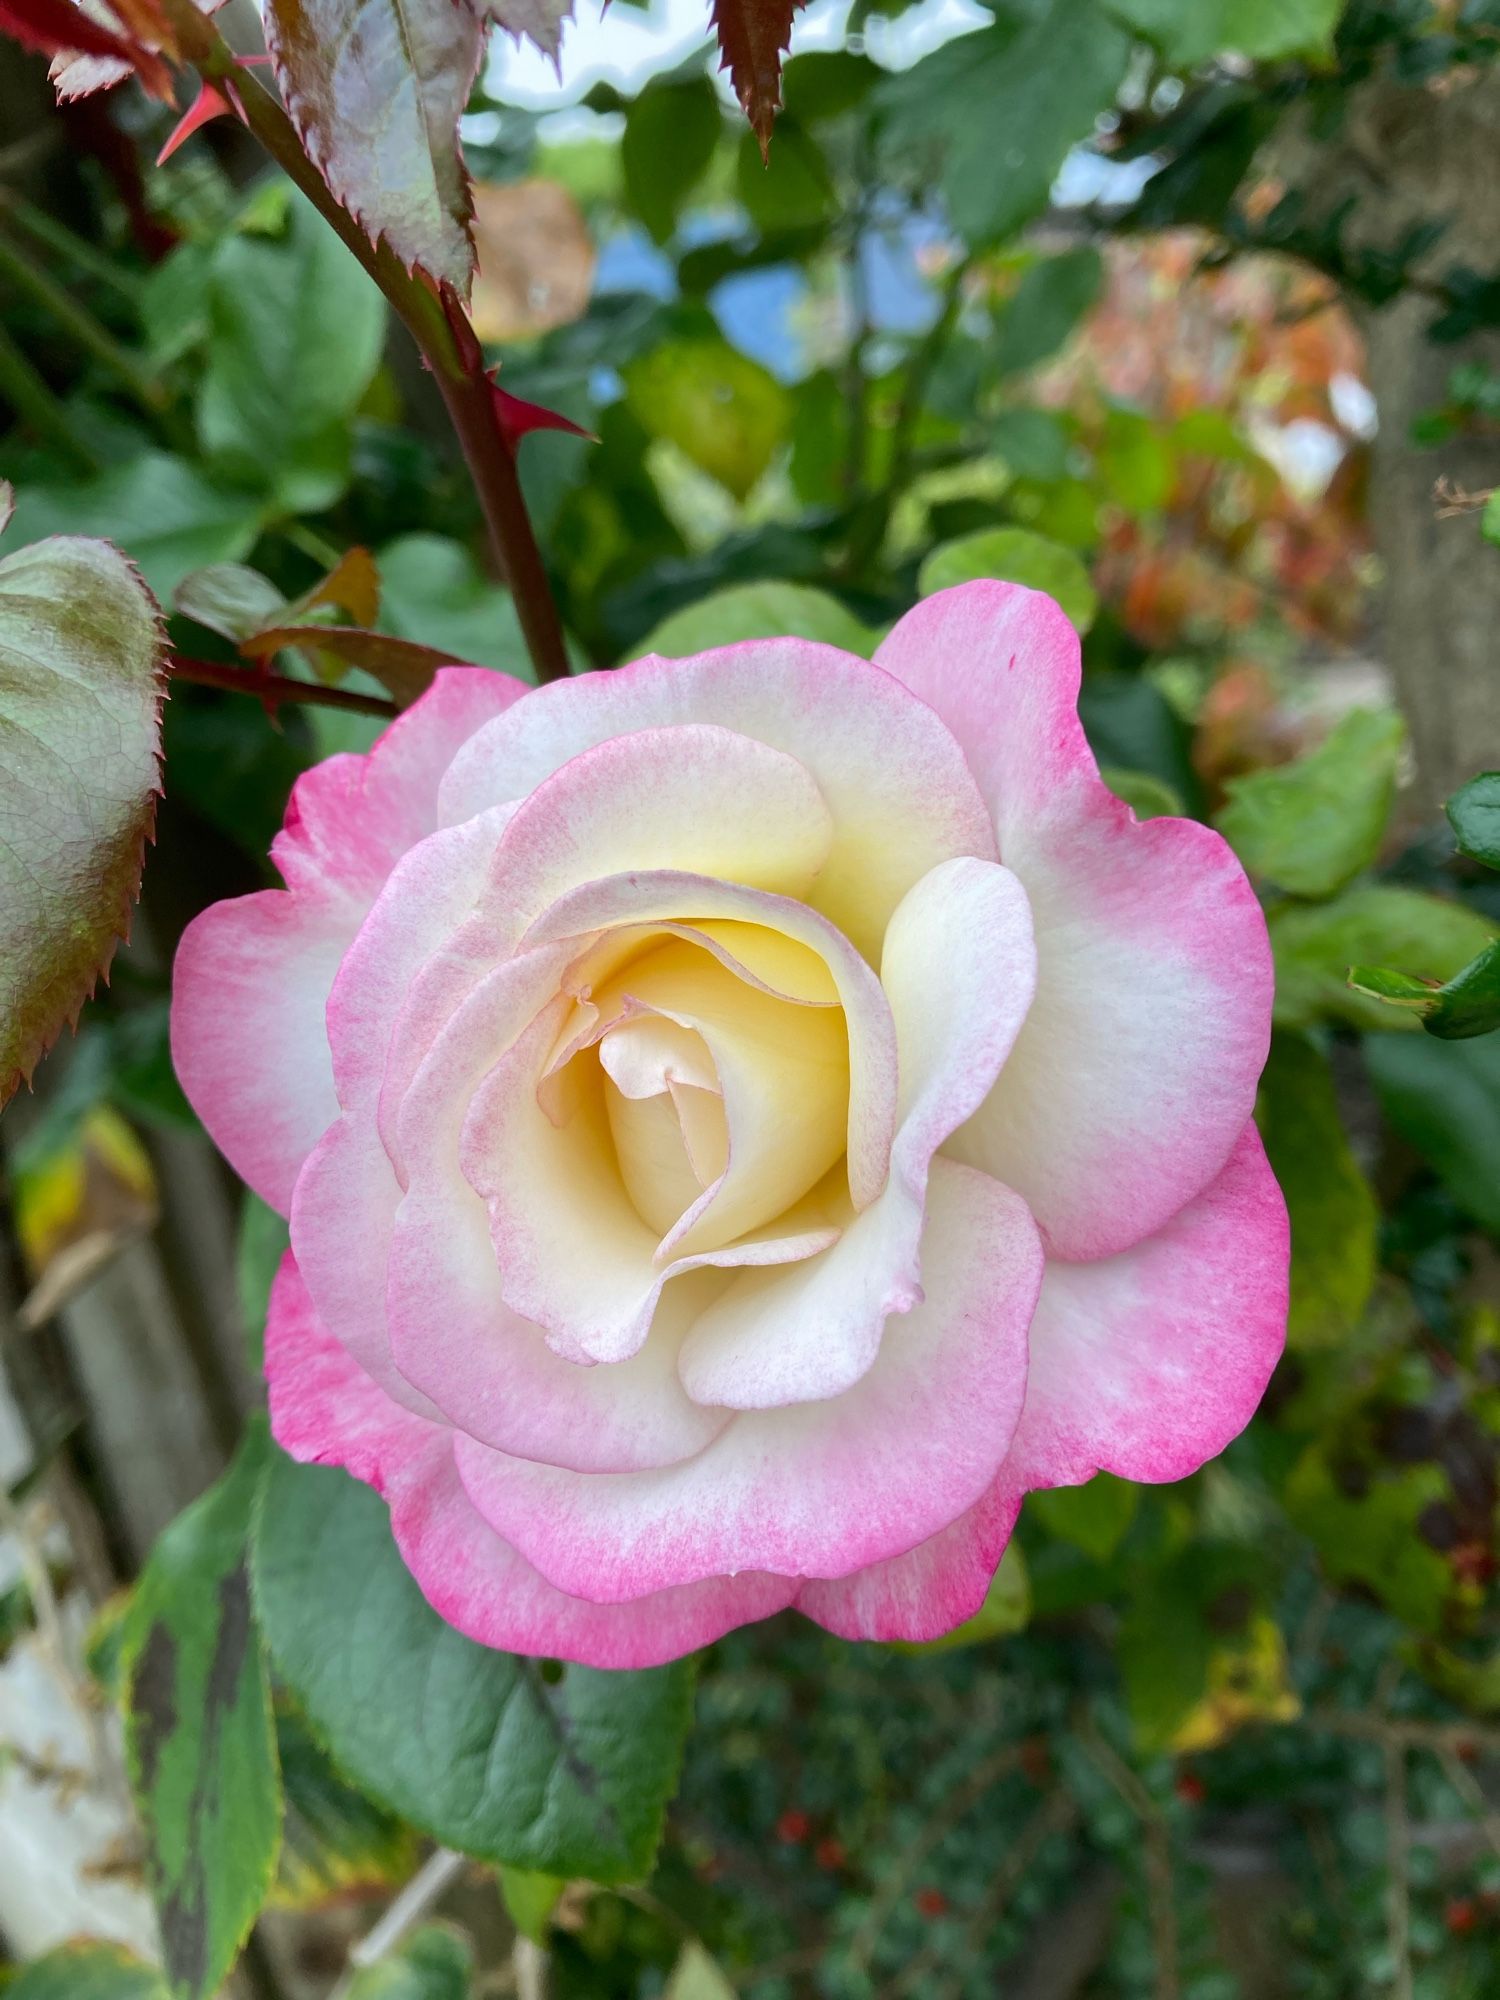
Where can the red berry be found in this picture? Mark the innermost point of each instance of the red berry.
(829, 1853)
(792, 1827)
(1190, 1788)
(932, 1902)
(1461, 1916)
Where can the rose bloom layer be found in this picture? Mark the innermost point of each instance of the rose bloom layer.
(745, 1121)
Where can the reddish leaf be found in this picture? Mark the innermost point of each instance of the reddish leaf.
(210, 103)
(376, 89)
(87, 53)
(80, 707)
(353, 585)
(539, 21)
(400, 665)
(753, 37)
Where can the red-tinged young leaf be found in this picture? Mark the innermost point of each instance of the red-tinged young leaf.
(80, 734)
(376, 89)
(73, 77)
(400, 665)
(539, 21)
(351, 586)
(210, 103)
(518, 418)
(753, 37)
(88, 53)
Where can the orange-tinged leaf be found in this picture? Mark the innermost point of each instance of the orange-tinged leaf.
(80, 733)
(352, 586)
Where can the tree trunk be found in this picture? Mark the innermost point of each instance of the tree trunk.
(1419, 154)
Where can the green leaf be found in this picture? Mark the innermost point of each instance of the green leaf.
(1094, 1517)
(435, 1963)
(721, 409)
(1033, 443)
(563, 1770)
(1014, 555)
(1147, 796)
(1135, 463)
(1053, 295)
(1188, 32)
(1310, 826)
(336, 1843)
(87, 1972)
(228, 598)
(696, 1976)
(1444, 1099)
(1163, 1648)
(1000, 108)
(530, 1899)
(1006, 1609)
(434, 593)
(827, 83)
(297, 330)
(376, 89)
(1467, 1004)
(163, 512)
(80, 711)
(1370, 1536)
(1335, 1220)
(200, 1737)
(1474, 814)
(793, 189)
(759, 611)
(670, 134)
(1315, 944)
(1489, 520)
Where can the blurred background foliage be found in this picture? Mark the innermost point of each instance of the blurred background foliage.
(1168, 308)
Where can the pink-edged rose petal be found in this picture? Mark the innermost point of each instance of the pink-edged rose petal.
(326, 1411)
(820, 1489)
(1136, 1069)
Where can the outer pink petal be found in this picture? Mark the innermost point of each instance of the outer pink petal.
(901, 796)
(325, 1411)
(1137, 1067)
(930, 1589)
(350, 819)
(810, 1331)
(1145, 1365)
(253, 976)
(248, 1041)
(819, 1489)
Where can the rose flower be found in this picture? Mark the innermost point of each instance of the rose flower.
(745, 1120)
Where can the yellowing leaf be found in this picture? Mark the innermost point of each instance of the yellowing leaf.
(721, 409)
(1247, 1682)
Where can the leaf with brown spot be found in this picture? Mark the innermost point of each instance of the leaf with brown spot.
(376, 89)
(80, 740)
(753, 37)
(200, 1735)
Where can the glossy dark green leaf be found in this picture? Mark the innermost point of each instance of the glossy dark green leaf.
(376, 89)
(200, 1734)
(1052, 297)
(1311, 825)
(297, 330)
(1335, 1221)
(999, 109)
(87, 1972)
(1474, 814)
(566, 1771)
(80, 708)
(1444, 1099)
(1371, 924)
(670, 134)
(336, 1843)
(434, 1963)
